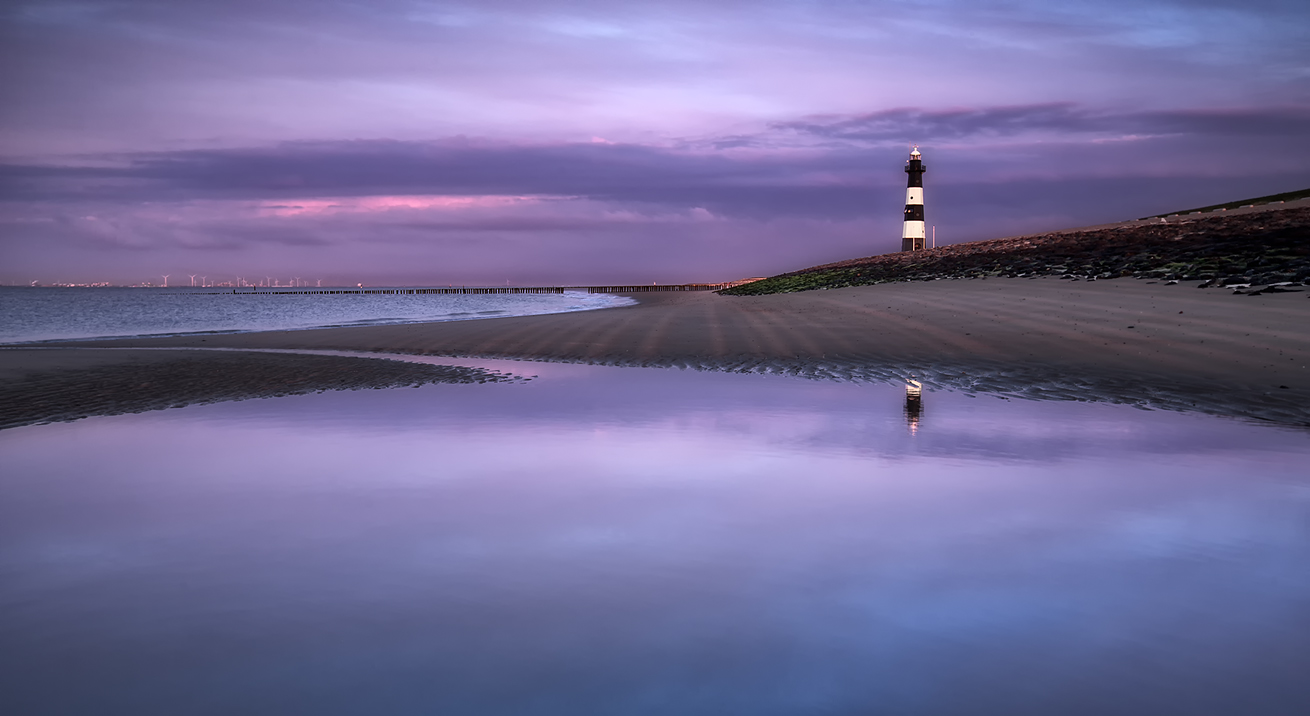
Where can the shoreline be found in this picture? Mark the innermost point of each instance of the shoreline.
(580, 301)
(1124, 341)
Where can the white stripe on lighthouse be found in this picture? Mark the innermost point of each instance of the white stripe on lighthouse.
(914, 195)
(913, 230)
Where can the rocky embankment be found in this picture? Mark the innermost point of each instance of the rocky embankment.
(1265, 249)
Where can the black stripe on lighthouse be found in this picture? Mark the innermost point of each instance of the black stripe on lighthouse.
(912, 233)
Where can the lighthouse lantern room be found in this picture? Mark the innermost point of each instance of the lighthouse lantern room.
(912, 235)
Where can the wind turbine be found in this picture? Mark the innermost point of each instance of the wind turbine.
(193, 279)
(165, 275)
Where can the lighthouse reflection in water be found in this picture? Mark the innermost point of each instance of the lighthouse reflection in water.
(913, 405)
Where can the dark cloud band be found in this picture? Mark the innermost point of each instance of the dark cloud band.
(772, 179)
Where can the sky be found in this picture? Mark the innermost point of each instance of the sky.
(394, 142)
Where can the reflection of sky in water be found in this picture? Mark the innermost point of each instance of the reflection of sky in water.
(612, 541)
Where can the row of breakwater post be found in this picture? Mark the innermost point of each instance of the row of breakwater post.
(472, 290)
(653, 287)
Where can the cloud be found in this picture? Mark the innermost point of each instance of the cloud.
(767, 173)
(796, 193)
(448, 169)
(730, 137)
(145, 75)
(1063, 119)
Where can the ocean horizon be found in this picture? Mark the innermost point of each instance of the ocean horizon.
(53, 314)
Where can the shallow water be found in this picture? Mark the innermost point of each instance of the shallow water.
(632, 541)
(44, 314)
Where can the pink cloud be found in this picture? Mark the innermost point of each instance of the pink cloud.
(373, 204)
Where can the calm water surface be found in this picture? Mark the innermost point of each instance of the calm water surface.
(628, 541)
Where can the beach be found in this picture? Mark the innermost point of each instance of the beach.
(1147, 343)
(42, 385)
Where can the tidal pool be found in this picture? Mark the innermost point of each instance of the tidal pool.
(639, 541)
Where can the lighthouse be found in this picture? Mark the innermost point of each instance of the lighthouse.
(912, 235)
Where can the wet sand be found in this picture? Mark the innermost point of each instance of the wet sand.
(62, 384)
(1155, 345)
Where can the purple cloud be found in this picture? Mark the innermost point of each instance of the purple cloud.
(588, 141)
(771, 179)
(1064, 119)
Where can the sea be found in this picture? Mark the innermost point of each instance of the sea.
(37, 314)
(615, 540)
